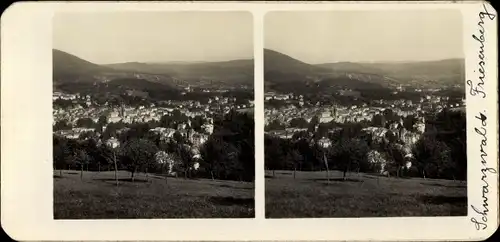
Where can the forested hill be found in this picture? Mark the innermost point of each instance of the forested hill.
(285, 73)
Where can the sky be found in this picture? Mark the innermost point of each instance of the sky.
(369, 36)
(105, 38)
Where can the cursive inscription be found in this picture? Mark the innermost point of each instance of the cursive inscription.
(480, 216)
(476, 88)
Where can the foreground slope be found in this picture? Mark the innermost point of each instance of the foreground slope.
(97, 197)
(361, 195)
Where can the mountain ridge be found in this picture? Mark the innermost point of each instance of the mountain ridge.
(239, 71)
(282, 69)
(70, 68)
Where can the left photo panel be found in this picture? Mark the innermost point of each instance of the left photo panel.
(153, 115)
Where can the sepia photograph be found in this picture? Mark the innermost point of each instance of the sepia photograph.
(364, 114)
(214, 121)
(153, 115)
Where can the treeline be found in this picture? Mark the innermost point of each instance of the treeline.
(383, 120)
(146, 93)
(228, 154)
(322, 94)
(438, 154)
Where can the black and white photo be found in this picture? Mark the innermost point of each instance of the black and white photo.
(364, 114)
(254, 121)
(153, 115)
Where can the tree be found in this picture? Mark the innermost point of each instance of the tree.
(179, 138)
(378, 121)
(154, 137)
(138, 131)
(451, 129)
(162, 160)
(349, 153)
(220, 158)
(102, 122)
(90, 147)
(275, 125)
(111, 146)
(61, 153)
(237, 129)
(70, 150)
(138, 154)
(409, 121)
(293, 159)
(87, 135)
(232, 167)
(196, 123)
(167, 121)
(389, 115)
(61, 103)
(179, 117)
(212, 152)
(169, 145)
(274, 155)
(313, 123)
(318, 153)
(322, 130)
(299, 123)
(110, 132)
(82, 159)
(85, 123)
(351, 130)
(186, 159)
(303, 147)
(241, 133)
(103, 153)
(300, 135)
(396, 155)
(391, 137)
(433, 158)
(176, 113)
(62, 125)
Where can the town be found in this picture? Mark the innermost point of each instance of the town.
(294, 114)
(205, 140)
(83, 114)
(415, 137)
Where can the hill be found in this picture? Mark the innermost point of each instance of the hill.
(310, 195)
(69, 68)
(276, 62)
(151, 196)
(235, 72)
(426, 74)
(73, 74)
(300, 76)
(287, 74)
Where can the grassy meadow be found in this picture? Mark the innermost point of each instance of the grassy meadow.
(361, 195)
(96, 196)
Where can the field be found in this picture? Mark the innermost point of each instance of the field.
(361, 195)
(98, 197)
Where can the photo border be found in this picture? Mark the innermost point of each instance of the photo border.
(26, 173)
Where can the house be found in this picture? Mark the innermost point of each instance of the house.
(324, 142)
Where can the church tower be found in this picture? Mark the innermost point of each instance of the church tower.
(334, 112)
(122, 111)
(190, 135)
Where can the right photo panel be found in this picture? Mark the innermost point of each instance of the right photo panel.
(364, 114)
